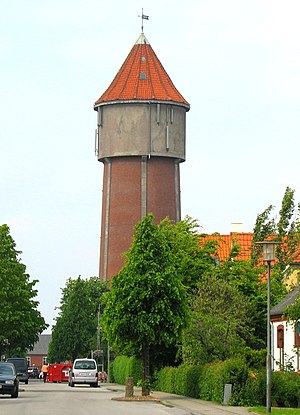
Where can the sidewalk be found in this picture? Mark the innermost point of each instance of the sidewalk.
(190, 405)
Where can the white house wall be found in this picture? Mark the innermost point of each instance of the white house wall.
(290, 355)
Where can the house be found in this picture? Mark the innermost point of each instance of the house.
(244, 241)
(38, 355)
(285, 339)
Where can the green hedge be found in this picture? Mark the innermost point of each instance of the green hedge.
(286, 389)
(186, 380)
(124, 366)
(207, 382)
(204, 382)
(165, 379)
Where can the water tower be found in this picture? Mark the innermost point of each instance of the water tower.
(140, 139)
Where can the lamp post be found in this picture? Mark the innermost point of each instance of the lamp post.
(268, 257)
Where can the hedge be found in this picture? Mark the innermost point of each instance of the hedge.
(124, 366)
(207, 382)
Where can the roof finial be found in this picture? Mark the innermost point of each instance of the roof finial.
(144, 17)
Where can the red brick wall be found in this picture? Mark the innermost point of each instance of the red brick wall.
(161, 188)
(125, 203)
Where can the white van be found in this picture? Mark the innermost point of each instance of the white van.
(84, 371)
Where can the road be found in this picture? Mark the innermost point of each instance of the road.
(38, 398)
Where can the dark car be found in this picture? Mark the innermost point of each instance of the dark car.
(33, 372)
(9, 383)
(21, 368)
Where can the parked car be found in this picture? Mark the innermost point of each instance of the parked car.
(33, 372)
(9, 382)
(21, 368)
(84, 371)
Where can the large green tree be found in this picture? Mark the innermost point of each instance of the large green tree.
(147, 306)
(75, 331)
(219, 327)
(20, 320)
(248, 280)
(228, 311)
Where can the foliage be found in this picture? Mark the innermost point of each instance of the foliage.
(196, 253)
(255, 358)
(204, 381)
(253, 391)
(285, 389)
(164, 379)
(219, 322)
(183, 380)
(292, 312)
(286, 231)
(215, 376)
(278, 411)
(20, 321)
(248, 385)
(264, 227)
(247, 279)
(186, 381)
(147, 305)
(74, 333)
(124, 366)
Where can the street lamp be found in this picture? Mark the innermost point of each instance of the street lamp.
(268, 257)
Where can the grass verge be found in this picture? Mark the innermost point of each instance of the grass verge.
(276, 411)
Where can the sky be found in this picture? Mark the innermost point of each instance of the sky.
(237, 62)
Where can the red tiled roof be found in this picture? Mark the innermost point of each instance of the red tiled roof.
(142, 77)
(244, 240)
(226, 242)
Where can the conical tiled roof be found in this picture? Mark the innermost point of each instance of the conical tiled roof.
(142, 78)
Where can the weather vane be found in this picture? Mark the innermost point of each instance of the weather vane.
(144, 17)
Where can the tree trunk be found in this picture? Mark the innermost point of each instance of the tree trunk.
(146, 370)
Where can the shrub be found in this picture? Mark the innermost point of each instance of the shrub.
(127, 366)
(164, 379)
(186, 380)
(285, 389)
(248, 386)
(253, 392)
(211, 386)
(111, 372)
(215, 376)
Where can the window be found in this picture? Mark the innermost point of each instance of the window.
(44, 360)
(296, 335)
(143, 75)
(280, 337)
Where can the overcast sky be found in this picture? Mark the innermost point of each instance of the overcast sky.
(237, 62)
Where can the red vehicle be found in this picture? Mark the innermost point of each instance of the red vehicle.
(58, 372)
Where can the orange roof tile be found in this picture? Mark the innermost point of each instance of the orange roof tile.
(142, 77)
(226, 242)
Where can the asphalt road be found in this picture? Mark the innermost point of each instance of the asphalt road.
(38, 398)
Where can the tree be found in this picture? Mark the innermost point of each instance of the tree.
(75, 331)
(20, 321)
(286, 230)
(219, 326)
(247, 279)
(147, 305)
(197, 255)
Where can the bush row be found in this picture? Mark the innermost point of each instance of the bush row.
(207, 382)
(248, 386)
(204, 382)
